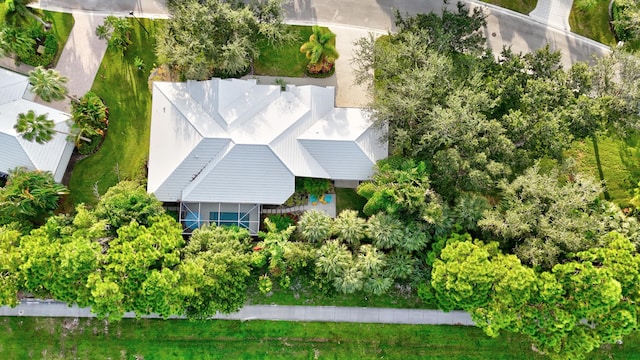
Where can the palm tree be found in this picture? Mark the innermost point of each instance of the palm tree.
(319, 49)
(40, 128)
(385, 230)
(14, 41)
(333, 259)
(49, 85)
(349, 227)
(32, 127)
(370, 260)
(20, 12)
(315, 226)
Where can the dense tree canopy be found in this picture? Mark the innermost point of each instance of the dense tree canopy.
(545, 217)
(203, 38)
(214, 272)
(29, 197)
(567, 311)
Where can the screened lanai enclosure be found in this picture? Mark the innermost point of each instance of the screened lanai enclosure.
(194, 215)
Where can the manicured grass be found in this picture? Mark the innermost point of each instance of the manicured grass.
(620, 164)
(349, 199)
(59, 338)
(283, 60)
(521, 6)
(126, 92)
(25, 338)
(592, 23)
(62, 25)
(286, 59)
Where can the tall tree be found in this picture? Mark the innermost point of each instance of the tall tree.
(40, 128)
(48, 84)
(29, 197)
(10, 261)
(214, 36)
(116, 31)
(566, 312)
(215, 271)
(136, 271)
(545, 217)
(32, 127)
(125, 202)
(58, 257)
(19, 11)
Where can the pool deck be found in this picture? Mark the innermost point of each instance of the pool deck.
(328, 208)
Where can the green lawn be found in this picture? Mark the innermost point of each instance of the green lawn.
(49, 338)
(620, 164)
(62, 24)
(521, 6)
(349, 199)
(284, 60)
(126, 92)
(25, 338)
(593, 23)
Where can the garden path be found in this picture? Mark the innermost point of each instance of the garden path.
(46, 308)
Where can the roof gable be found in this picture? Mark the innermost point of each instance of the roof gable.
(265, 137)
(51, 156)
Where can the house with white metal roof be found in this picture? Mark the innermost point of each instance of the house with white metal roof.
(53, 156)
(222, 148)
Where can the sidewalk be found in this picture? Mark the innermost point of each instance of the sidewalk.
(43, 308)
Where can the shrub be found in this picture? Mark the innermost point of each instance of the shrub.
(313, 186)
(48, 40)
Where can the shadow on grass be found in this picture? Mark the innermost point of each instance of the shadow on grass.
(125, 91)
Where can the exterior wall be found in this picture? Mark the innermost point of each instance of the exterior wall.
(64, 162)
(204, 210)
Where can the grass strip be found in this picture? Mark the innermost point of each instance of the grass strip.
(62, 23)
(521, 6)
(592, 23)
(125, 91)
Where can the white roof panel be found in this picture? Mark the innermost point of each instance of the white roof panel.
(51, 156)
(12, 86)
(251, 141)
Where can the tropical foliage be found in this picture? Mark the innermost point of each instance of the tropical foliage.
(320, 50)
(90, 120)
(203, 38)
(48, 84)
(116, 31)
(32, 127)
(28, 198)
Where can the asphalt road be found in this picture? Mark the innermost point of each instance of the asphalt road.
(504, 27)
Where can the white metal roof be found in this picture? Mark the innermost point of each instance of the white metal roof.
(15, 151)
(238, 141)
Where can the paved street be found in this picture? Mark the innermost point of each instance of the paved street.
(274, 312)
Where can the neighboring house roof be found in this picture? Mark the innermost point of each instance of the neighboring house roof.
(52, 156)
(237, 141)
